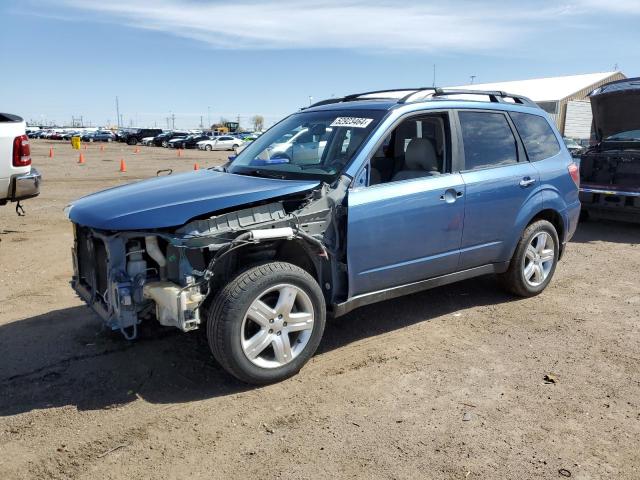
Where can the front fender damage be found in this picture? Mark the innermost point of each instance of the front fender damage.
(129, 276)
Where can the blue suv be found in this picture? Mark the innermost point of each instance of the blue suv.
(348, 202)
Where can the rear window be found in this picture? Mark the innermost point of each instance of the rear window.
(488, 140)
(539, 140)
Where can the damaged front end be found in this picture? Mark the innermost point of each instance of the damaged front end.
(169, 274)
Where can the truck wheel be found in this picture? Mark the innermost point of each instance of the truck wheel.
(534, 261)
(132, 141)
(266, 323)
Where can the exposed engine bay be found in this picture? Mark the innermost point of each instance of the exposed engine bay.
(169, 274)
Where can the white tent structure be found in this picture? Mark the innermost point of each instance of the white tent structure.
(564, 98)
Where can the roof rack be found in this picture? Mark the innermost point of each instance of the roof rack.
(495, 96)
(356, 96)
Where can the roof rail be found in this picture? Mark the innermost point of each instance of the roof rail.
(495, 96)
(355, 96)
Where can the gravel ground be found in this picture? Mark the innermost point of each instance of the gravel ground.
(446, 384)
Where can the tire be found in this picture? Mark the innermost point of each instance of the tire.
(132, 141)
(529, 274)
(208, 148)
(231, 325)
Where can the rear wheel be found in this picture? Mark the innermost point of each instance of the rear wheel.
(534, 261)
(132, 141)
(267, 323)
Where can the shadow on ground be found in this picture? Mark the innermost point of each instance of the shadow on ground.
(64, 357)
(607, 231)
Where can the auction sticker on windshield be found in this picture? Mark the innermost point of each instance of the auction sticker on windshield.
(353, 122)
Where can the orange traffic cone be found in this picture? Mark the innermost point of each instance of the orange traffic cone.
(81, 159)
(123, 166)
(50, 152)
(179, 152)
(136, 150)
(102, 148)
(196, 166)
(85, 146)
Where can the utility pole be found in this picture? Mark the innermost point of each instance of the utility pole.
(434, 75)
(173, 121)
(201, 124)
(209, 117)
(473, 79)
(118, 111)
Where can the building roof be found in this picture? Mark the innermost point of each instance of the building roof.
(545, 89)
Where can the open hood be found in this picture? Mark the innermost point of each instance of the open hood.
(616, 107)
(172, 200)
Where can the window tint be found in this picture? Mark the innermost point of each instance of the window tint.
(537, 136)
(488, 140)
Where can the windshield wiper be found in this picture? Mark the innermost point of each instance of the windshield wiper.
(264, 174)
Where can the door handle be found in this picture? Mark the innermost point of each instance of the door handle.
(450, 195)
(527, 182)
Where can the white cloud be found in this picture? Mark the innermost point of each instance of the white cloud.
(460, 25)
(370, 25)
(628, 7)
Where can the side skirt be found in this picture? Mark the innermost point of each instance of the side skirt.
(402, 290)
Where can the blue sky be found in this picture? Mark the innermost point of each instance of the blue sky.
(67, 58)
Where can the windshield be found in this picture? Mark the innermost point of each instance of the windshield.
(315, 145)
(626, 136)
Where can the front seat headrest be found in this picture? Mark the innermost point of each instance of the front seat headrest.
(421, 155)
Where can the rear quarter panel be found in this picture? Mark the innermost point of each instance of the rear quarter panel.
(560, 193)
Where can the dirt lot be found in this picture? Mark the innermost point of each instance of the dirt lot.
(443, 384)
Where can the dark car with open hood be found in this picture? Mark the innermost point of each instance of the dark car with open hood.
(610, 169)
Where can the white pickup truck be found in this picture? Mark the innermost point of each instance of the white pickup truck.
(18, 179)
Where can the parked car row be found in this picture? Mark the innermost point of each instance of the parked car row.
(182, 139)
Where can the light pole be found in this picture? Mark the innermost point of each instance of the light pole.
(209, 117)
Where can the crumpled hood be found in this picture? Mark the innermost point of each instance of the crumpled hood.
(616, 108)
(173, 200)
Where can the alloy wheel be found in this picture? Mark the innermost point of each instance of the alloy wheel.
(277, 326)
(538, 259)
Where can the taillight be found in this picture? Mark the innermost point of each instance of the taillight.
(21, 151)
(574, 171)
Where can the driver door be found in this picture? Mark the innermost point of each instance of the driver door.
(401, 231)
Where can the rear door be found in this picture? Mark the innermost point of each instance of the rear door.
(499, 180)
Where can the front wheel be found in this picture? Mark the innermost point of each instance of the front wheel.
(208, 148)
(534, 261)
(267, 323)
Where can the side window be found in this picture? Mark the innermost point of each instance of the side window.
(537, 136)
(418, 147)
(488, 140)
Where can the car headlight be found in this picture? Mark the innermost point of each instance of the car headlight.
(67, 210)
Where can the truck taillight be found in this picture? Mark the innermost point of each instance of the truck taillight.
(21, 151)
(574, 171)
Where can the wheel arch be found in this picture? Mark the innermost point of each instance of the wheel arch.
(555, 218)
